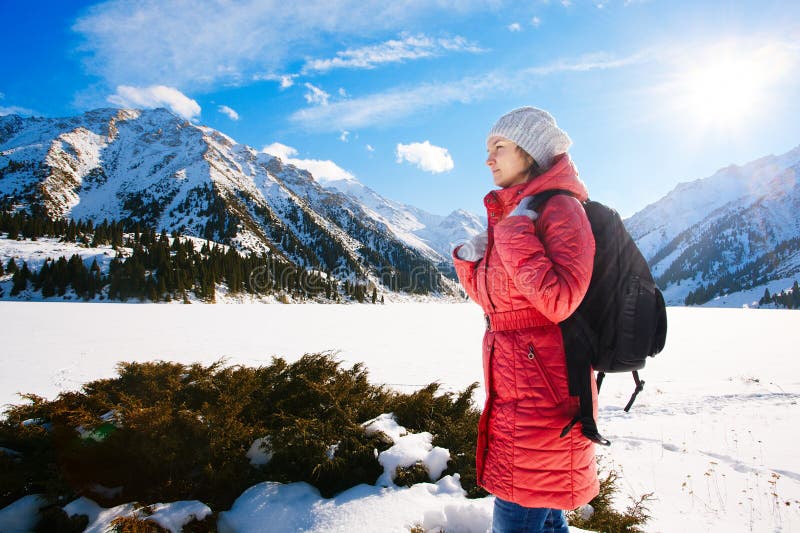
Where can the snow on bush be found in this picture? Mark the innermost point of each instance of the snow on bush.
(407, 449)
(171, 516)
(260, 452)
(385, 427)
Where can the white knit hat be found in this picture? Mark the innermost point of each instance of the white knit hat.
(535, 131)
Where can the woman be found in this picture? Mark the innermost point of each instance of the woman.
(529, 271)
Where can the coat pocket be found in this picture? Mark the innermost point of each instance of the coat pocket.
(545, 375)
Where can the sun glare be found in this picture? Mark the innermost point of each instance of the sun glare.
(724, 87)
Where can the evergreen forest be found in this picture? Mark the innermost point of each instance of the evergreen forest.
(151, 266)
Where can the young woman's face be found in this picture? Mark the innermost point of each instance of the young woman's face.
(508, 165)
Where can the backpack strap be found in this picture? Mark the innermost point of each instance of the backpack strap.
(637, 390)
(540, 199)
(586, 417)
(578, 369)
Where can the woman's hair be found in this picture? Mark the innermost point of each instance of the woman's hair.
(533, 167)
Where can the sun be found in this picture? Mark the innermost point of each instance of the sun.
(718, 92)
(725, 86)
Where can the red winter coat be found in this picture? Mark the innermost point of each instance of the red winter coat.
(533, 276)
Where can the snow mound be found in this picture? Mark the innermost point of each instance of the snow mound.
(22, 515)
(299, 507)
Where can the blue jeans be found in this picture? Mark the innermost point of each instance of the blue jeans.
(512, 518)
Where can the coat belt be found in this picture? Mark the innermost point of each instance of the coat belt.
(518, 319)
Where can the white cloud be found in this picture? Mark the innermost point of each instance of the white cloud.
(536, 22)
(322, 170)
(165, 42)
(566, 3)
(343, 136)
(426, 156)
(14, 110)
(594, 61)
(156, 96)
(384, 107)
(460, 44)
(342, 92)
(391, 105)
(286, 80)
(513, 27)
(315, 95)
(395, 104)
(279, 150)
(392, 51)
(228, 111)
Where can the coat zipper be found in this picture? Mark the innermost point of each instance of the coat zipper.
(545, 374)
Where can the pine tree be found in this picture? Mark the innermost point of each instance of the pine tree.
(60, 276)
(13, 230)
(11, 266)
(766, 299)
(71, 231)
(77, 274)
(94, 283)
(163, 288)
(151, 289)
(20, 279)
(116, 235)
(48, 287)
(100, 236)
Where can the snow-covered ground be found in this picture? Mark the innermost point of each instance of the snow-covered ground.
(711, 436)
(35, 253)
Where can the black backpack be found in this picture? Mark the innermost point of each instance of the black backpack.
(621, 321)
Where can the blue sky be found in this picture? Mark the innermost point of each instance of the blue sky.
(401, 94)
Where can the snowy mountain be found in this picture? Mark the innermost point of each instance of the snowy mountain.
(156, 169)
(433, 235)
(737, 230)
